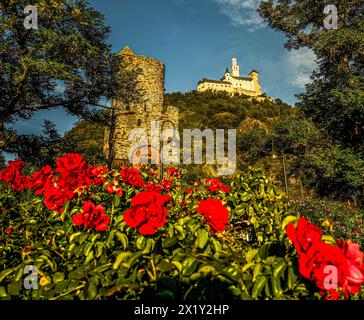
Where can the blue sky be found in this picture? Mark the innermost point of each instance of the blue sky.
(196, 39)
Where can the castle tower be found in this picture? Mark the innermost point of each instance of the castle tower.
(139, 115)
(254, 75)
(235, 69)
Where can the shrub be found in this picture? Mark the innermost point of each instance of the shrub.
(92, 233)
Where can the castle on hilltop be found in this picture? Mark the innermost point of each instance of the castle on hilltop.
(233, 82)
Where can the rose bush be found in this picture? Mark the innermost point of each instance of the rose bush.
(94, 233)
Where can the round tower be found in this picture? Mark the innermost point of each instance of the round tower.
(254, 75)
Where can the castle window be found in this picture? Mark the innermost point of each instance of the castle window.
(139, 123)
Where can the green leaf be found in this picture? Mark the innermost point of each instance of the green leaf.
(263, 252)
(248, 266)
(6, 272)
(89, 257)
(141, 242)
(202, 238)
(189, 266)
(217, 246)
(250, 255)
(77, 274)
(328, 239)
(291, 278)
(287, 220)
(91, 291)
(3, 293)
(207, 269)
(178, 265)
(150, 246)
(14, 288)
(279, 269)
(65, 210)
(116, 200)
(258, 286)
(71, 250)
(58, 277)
(276, 286)
(164, 266)
(123, 239)
(88, 248)
(169, 242)
(74, 236)
(257, 270)
(102, 268)
(99, 249)
(171, 230)
(121, 258)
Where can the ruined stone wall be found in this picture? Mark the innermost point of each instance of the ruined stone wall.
(150, 107)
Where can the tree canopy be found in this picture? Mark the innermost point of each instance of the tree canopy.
(335, 98)
(65, 62)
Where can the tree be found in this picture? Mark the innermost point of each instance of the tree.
(2, 161)
(335, 99)
(65, 63)
(333, 171)
(88, 139)
(43, 149)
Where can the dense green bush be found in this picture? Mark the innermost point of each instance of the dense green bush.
(186, 258)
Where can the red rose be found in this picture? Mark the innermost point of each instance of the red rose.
(92, 217)
(8, 174)
(355, 264)
(148, 213)
(304, 235)
(166, 184)
(187, 191)
(317, 258)
(352, 251)
(132, 176)
(55, 197)
(173, 172)
(40, 178)
(110, 188)
(21, 183)
(12, 174)
(119, 192)
(215, 213)
(215, 185)
(152, 173)
(70, 163)
(9, 231)
(150, 186)
(98, 174)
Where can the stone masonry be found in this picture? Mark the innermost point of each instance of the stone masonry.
(150, 106)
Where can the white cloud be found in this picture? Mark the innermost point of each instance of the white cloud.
(242, 12)
(300, 65)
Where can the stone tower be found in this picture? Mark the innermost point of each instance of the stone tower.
(254, 75)
(140, 115)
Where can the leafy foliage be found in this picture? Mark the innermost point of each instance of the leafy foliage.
(334, 100)
(66, 62)
(185, 259)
